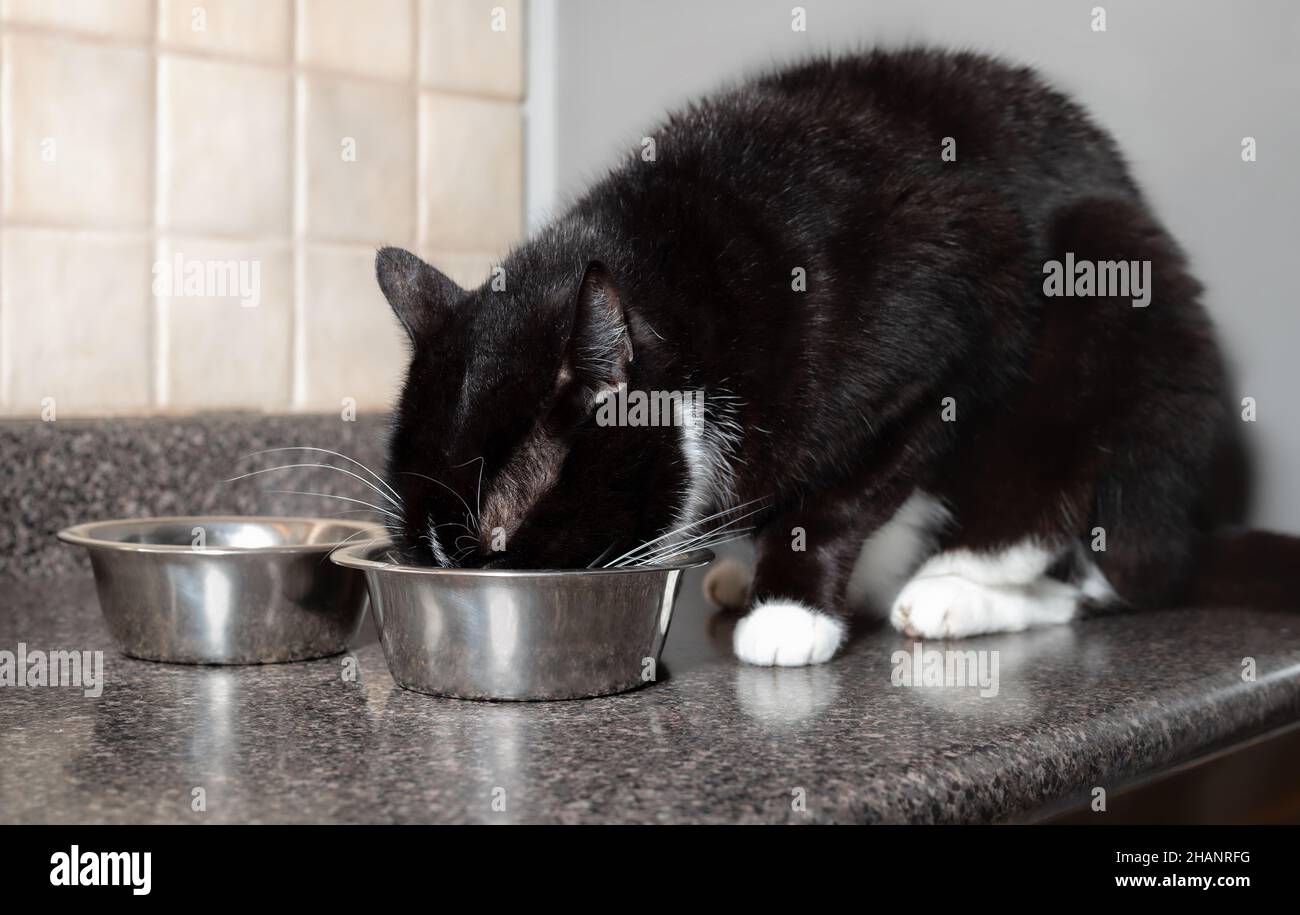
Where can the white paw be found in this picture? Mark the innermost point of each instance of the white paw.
(727, 584)
(787, 634)
(953, 607)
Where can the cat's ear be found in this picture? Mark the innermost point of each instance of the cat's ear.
(600, 348)
(418, 293)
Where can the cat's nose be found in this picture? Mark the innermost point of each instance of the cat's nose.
(496, 562)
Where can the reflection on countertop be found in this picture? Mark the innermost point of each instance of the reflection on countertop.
(1089, 705)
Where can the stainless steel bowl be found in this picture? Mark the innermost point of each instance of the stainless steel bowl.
(225, 589)
(505, 634)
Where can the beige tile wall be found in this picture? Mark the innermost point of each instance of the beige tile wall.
(263, 148)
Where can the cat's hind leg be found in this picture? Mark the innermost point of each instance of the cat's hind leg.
(1075, 491)
(963, 592)
(894, 551)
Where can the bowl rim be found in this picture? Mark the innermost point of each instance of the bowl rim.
(79, 535)
(349, 557)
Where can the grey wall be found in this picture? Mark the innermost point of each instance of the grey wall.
(1179, 84)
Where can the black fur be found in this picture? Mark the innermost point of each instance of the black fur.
(924, 282)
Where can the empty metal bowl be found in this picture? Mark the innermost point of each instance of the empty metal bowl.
(225, 589)
(520, 634)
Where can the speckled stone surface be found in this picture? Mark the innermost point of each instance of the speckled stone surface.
(1091, 704)
(1078, 706)
(65, 472)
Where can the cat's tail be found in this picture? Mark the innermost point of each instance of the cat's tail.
(1252, 569)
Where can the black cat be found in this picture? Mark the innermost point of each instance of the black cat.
(927, 382)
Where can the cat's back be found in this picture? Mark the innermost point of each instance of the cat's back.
(835, 153)
(920, 109)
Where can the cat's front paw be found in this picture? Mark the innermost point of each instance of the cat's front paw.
(785, 633)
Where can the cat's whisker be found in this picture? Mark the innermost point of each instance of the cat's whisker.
(342, 543)
(358, 477)
(340, 454)
(630, 554)
(708, 544)
(325, 495)
(649, 545)
(605, 552)
(692, 542)
(478, 494)
(699, 542)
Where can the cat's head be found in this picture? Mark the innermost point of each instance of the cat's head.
(494, 453)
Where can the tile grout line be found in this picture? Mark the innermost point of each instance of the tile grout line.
(6, 359)
(298, 253)
(161, 329)
(419, 227)
(147, 233)
(196, 234)
(295, 68)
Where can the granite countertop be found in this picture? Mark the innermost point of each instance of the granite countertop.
(1090, 704)
(1095, 703)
